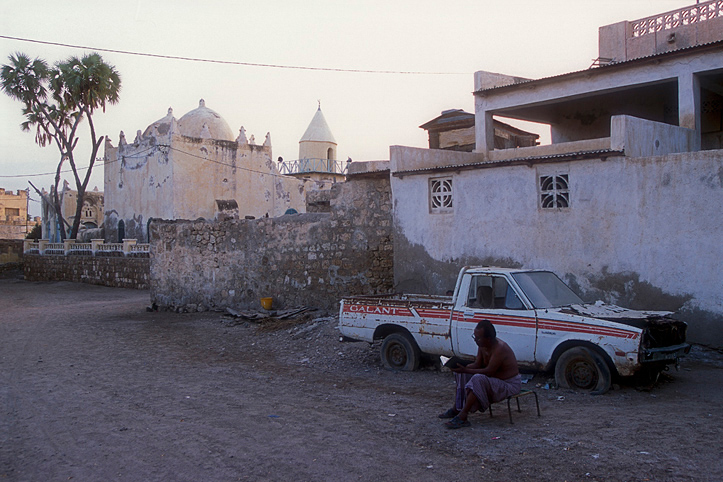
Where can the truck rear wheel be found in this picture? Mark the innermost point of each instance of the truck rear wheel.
(400, 352)
(581, 368)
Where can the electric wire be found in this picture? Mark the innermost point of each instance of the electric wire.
(223, 163)
(230, 62)
(138, 155)
(142, 154)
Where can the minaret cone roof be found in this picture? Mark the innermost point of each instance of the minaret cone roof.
(318, 130)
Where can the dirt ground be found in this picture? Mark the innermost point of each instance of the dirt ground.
(94, 387)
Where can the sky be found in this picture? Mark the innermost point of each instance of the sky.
(441, 43)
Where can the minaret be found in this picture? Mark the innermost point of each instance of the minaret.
(318, 141)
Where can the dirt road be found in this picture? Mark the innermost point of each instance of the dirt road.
(93, 387)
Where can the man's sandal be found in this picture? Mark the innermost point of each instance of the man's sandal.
(457, 422)
(451, 413)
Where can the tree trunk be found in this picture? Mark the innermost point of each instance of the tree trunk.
(78, 214)
(59, 214)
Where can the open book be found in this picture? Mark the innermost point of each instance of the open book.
(454, 362)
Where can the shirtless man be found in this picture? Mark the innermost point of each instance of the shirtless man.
(492, 377)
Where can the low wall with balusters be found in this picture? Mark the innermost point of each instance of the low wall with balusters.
(120, 265)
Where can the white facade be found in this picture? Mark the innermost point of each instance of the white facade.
(192, 168)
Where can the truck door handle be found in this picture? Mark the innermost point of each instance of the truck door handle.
(468, 314)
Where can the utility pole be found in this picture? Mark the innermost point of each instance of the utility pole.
(27, 209)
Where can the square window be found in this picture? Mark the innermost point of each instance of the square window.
(554, 191)
(440, 195)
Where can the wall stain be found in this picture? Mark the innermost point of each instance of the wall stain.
(415, 271)
(626, 289)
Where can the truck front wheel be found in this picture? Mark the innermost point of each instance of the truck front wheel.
(400, 352)
(581, 368)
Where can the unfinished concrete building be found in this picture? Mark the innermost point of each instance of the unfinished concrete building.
(624, 203)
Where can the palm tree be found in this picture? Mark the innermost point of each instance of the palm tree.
(55, 101)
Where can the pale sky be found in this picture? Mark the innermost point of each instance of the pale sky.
(366, 112)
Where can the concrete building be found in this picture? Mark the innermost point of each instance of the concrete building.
(667, 73)
(317, 155)
(14, 222)
(91, 214)
(192, 168)
(625, 202)
(454, 130)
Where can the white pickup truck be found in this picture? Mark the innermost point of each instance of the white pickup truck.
(546, 324)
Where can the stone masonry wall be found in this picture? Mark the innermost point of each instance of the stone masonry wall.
(11, 253)
(117, 272)
(309, 259)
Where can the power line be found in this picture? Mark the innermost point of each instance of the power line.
(140, 154)
(265, 173)
(231, 62)
(137, 155)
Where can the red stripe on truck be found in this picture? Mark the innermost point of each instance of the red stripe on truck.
(553, 325)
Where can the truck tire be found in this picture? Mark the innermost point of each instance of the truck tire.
(581, 368)
(400, 352)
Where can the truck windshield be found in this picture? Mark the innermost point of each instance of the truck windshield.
(545, 290)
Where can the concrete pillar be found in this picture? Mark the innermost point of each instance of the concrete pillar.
(42, 243)
(689, 105)
(484, 132)
(67, 245)
(27, 245)
(612, 41)
(127, 243)
(94, 243)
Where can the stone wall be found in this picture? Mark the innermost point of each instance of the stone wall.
(308, 259)
(114, 271)
(15, 229)
(11, 253)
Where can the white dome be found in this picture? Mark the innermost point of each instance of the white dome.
(161, 126)
(193, 124)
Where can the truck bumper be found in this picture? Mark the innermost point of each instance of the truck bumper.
(668, 354)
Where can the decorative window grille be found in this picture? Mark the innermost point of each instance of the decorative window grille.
(554, 191)
(440, 195)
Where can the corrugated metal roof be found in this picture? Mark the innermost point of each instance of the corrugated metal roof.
(606, 66)
(518, 160)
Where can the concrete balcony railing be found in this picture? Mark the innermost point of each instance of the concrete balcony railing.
(631, 136)
(97, 247)
(698, 13)
(678, 29)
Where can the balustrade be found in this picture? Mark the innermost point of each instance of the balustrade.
(299, 166)
(676, 18)
(96, 246)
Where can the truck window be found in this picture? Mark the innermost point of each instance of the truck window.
(492, 292)
(512, 301)
(545, 290)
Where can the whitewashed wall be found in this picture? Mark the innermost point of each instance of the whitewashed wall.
(642, 232)
(183, 181)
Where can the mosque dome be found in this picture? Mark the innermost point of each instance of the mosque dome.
(318, 130)
(161, 126)
(206, 123)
